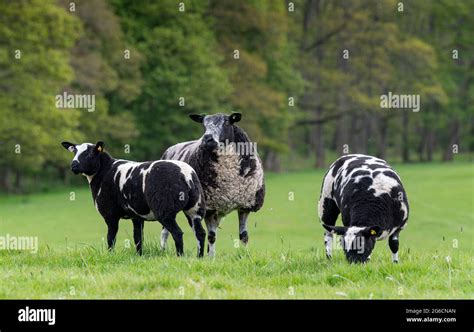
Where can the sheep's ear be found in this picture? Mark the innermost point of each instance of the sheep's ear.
(99, 147)
(199, 118)
(235, 117)
(371, 231)
(339, 230)
(69, 146)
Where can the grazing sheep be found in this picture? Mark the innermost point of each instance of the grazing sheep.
(373, 204)
(153, 190)
(229, 169)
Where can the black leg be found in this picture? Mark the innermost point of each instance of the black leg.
(212, 222)
(138, 234)
(200, 235)
(112, 225)
(328, 214)
(393, 244)
(243, 234)
(172, 226)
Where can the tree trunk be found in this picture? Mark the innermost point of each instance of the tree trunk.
(18, 181)
(430, 145)
(405, 143)
(272, 162)
(319, 143)
(382, 141)
(453, 139)
(422, 144)
(5, 180)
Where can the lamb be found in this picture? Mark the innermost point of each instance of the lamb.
(152, 190)
(372, 202)
(229, 169)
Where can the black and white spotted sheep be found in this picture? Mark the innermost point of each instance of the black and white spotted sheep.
(372, 201)
(229, 169)
(152, 190)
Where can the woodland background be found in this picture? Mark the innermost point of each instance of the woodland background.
(302, 101)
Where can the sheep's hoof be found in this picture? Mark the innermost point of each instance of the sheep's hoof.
(395, 262)
(244, 237)
(328, 256)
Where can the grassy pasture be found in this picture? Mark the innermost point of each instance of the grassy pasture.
(285, 258)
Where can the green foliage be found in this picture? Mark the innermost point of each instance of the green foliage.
(264, 75)
(179, 62)
(36, 37)
(150, 64)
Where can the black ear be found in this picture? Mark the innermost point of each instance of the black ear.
(199, 118)
(99, 147)
(339, 230)
(68, 146)
(371, 231)
(235, 117)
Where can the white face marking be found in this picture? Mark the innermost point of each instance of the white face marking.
(350, 236)
(80, 149)
(214, 128)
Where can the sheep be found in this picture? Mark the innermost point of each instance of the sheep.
(152, 190)
(372, 202)
(232, 179)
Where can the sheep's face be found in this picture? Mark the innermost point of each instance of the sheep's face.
(219, 128)
(86, 157)
(357, 242)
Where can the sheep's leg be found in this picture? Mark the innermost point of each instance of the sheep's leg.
(138, 234)
(328, 212)
(172, 226)
(112, 229)
(212, 222)
(243, 235)
(199, 232)
(164, 238)
(393, 244)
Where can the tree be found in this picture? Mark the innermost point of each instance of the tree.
(36, 37)
(181, 71)
(260, 57)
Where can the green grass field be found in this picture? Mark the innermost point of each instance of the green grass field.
(285, 257)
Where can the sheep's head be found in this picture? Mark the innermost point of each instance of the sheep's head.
(357, 242)
(219, 128)
(86, 157)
